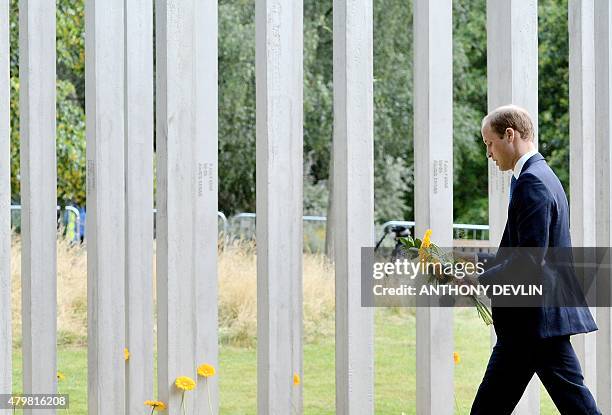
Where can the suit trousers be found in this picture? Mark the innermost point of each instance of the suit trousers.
(512, 365)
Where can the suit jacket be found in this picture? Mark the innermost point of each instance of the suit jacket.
(538, 217)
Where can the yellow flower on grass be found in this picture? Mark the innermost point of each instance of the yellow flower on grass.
(156, 405)
(185, 383)
(296, 379)
(206, 370)
(426, 239)
(60, 376)
(456, 358)
(126, 354)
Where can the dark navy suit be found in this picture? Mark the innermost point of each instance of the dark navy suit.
(536, 339)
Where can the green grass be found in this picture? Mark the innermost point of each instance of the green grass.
(394, 363)
(73, 363)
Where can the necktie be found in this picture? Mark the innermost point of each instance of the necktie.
(512, 185)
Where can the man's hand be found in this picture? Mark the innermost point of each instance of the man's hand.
(469, 280)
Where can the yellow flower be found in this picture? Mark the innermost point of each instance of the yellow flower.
(425, 243)
(156, 405)
(126, 354)
(60, 376)
(456, 358)
(296, 379)
(206, 370)
(426, 239)
(185, 383)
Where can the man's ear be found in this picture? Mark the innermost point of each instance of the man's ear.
(510, 132)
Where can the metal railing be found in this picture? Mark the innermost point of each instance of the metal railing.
(245, 225)
(70, 209)
(220, 215)
(242, 225)
(77, 215)
(460, 230)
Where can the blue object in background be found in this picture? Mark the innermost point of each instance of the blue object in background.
(82, 224)
(75, 226)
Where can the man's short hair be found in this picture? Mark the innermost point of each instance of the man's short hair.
(510, 116)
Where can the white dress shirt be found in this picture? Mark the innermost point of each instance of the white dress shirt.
(518, 167)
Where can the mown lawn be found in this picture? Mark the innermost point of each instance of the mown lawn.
(395, 370)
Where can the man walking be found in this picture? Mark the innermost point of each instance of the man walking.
(530, 340)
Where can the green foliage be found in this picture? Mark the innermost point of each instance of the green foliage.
(470, 105)
(15, 183)
(70, 123)
(316, 196)
(71, 46)
(236, 106)
(391, 185)
(393, 100)
(553, 86)
(70, 145)
(393, 104)
(318, 92)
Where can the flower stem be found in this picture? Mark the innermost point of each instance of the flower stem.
(66, 408)
(209, 400)
(483, 311)
(183, 404)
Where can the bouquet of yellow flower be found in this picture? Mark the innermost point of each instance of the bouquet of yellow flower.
(429, 253)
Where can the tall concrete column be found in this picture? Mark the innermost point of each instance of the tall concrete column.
(582, 154)
(38, 196)
(105, 109)
(433, 191)
(206, 202)
(279, 44)
(6, 367)
(603, 211)
(512, 78)
(139, 202)
(353, 211)
(186, 197)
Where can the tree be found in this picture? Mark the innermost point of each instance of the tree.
(70, 123)
(393, 105)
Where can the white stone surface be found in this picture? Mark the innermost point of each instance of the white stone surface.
(512, 68)
(353, 176)
(139, 202)
(279, 76)
(433, 159)
(105, 105)
(5, 201)
(186, 198)
(205, 204)
(603, 211)
(512, 78)
(582, 154)
(38, 196)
